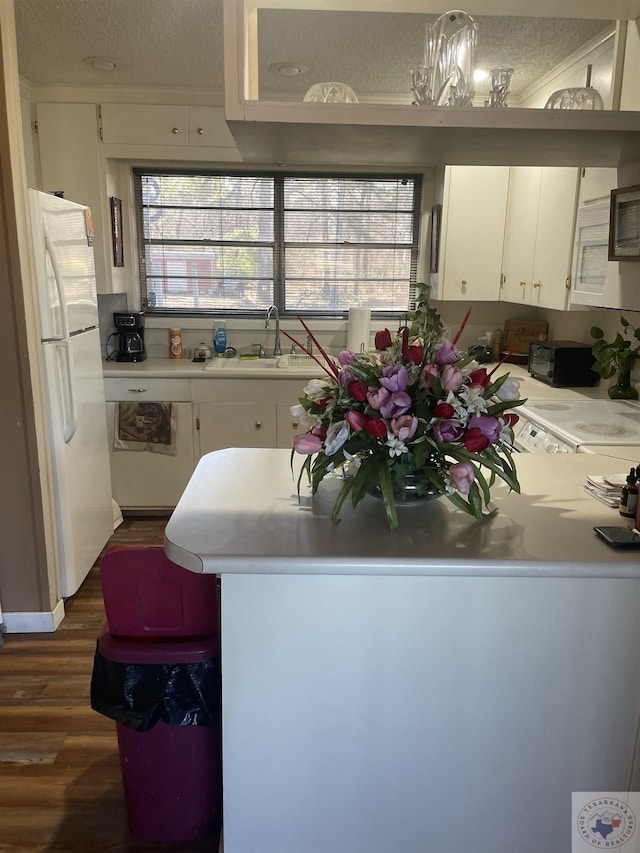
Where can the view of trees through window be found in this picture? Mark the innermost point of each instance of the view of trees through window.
(312, 244)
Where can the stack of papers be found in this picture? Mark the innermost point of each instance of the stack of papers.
(605, 489)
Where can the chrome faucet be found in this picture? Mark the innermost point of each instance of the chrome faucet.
(273, 312)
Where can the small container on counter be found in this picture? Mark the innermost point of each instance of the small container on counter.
(175, 343)
(629, 497)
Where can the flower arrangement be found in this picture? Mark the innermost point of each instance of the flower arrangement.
(416, 407)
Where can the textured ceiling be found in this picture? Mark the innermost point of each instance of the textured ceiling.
(178, 43)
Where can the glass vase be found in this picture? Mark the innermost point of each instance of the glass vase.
(411, 488)
(623, 388)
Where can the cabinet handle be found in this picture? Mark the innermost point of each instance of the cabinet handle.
(200, 131)
(464, 282)
(523, 284)
(174, 130)
(137, 390)
(537, 284)
(258, 424)
(294, 424)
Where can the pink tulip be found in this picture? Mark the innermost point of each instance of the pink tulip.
(346, 357)
(307, 443)
(452, 378)
(463, 475)
(404, 427)
(376, 397)
(447, 353)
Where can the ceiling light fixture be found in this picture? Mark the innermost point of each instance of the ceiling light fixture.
(288, 69)
(100, 63)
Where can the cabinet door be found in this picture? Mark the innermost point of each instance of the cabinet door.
(71, 161)
(207, 127)
(554, 237)
(144, 479)
(288, 426)
(520, 234)
(144, 124)
(474, 210)
(236, 425)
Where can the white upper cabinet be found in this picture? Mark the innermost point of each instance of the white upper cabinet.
(71, 161)
(471, 240)
(538, 239)
(153, 130)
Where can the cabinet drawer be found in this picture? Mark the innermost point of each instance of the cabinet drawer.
(161, 390)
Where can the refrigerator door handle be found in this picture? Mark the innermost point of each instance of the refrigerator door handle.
(57, 277)
(71, 424)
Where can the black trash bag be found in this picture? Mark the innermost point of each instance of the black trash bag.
(140, 694)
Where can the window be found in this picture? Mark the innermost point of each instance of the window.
(313, 244)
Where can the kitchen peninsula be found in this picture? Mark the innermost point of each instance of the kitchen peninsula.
(440, 689)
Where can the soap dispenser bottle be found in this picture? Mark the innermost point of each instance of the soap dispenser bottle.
(220, 337)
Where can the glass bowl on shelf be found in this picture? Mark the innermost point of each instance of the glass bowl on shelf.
(331, 93)
(577, 98)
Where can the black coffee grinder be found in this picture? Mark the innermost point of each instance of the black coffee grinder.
(130, 329)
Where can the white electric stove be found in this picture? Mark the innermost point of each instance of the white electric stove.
(577, 426)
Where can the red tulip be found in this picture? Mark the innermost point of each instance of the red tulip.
(444, 410)
(358, 390)
(475, 441)
(376, 427)
(383, 339)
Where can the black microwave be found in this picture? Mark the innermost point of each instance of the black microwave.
(563, 364)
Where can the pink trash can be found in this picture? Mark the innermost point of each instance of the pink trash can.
(171, 774)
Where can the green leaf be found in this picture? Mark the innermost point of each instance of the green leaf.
(340, 499)
(596, 332)
(386, 487)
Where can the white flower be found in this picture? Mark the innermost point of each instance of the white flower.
(303, 417)
(509, 390)
(473, 399)
(396, 446)
(315, 389)
(337, 434)
(352, 464)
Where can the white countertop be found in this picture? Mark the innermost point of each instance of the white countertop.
(240, 513)
(167, 368)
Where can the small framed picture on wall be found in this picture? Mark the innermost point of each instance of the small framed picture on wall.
(434, 253)
(116, 232)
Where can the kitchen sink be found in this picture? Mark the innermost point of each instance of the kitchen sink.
(299, 362)
(226, 364)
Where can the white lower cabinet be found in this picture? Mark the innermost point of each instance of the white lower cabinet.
(142, 479)
(288, 426)
(222, 425)
(210, 414)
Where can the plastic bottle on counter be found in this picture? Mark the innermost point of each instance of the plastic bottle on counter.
(629, 496)
(175, 343)
(220, 337)
(497, 344)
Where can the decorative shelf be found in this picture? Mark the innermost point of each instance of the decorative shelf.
(410, 136)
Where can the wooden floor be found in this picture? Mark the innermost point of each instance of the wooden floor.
(60, 785)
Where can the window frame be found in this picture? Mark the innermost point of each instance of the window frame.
(279, 246)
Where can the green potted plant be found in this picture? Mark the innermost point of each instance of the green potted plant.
(617, 357)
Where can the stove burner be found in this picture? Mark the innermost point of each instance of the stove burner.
(552, 407)
(595, 428)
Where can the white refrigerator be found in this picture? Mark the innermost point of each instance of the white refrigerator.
(68, 308)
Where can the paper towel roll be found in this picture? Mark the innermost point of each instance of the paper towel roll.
(358, 329)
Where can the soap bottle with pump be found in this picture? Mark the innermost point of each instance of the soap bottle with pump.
(220, 338)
